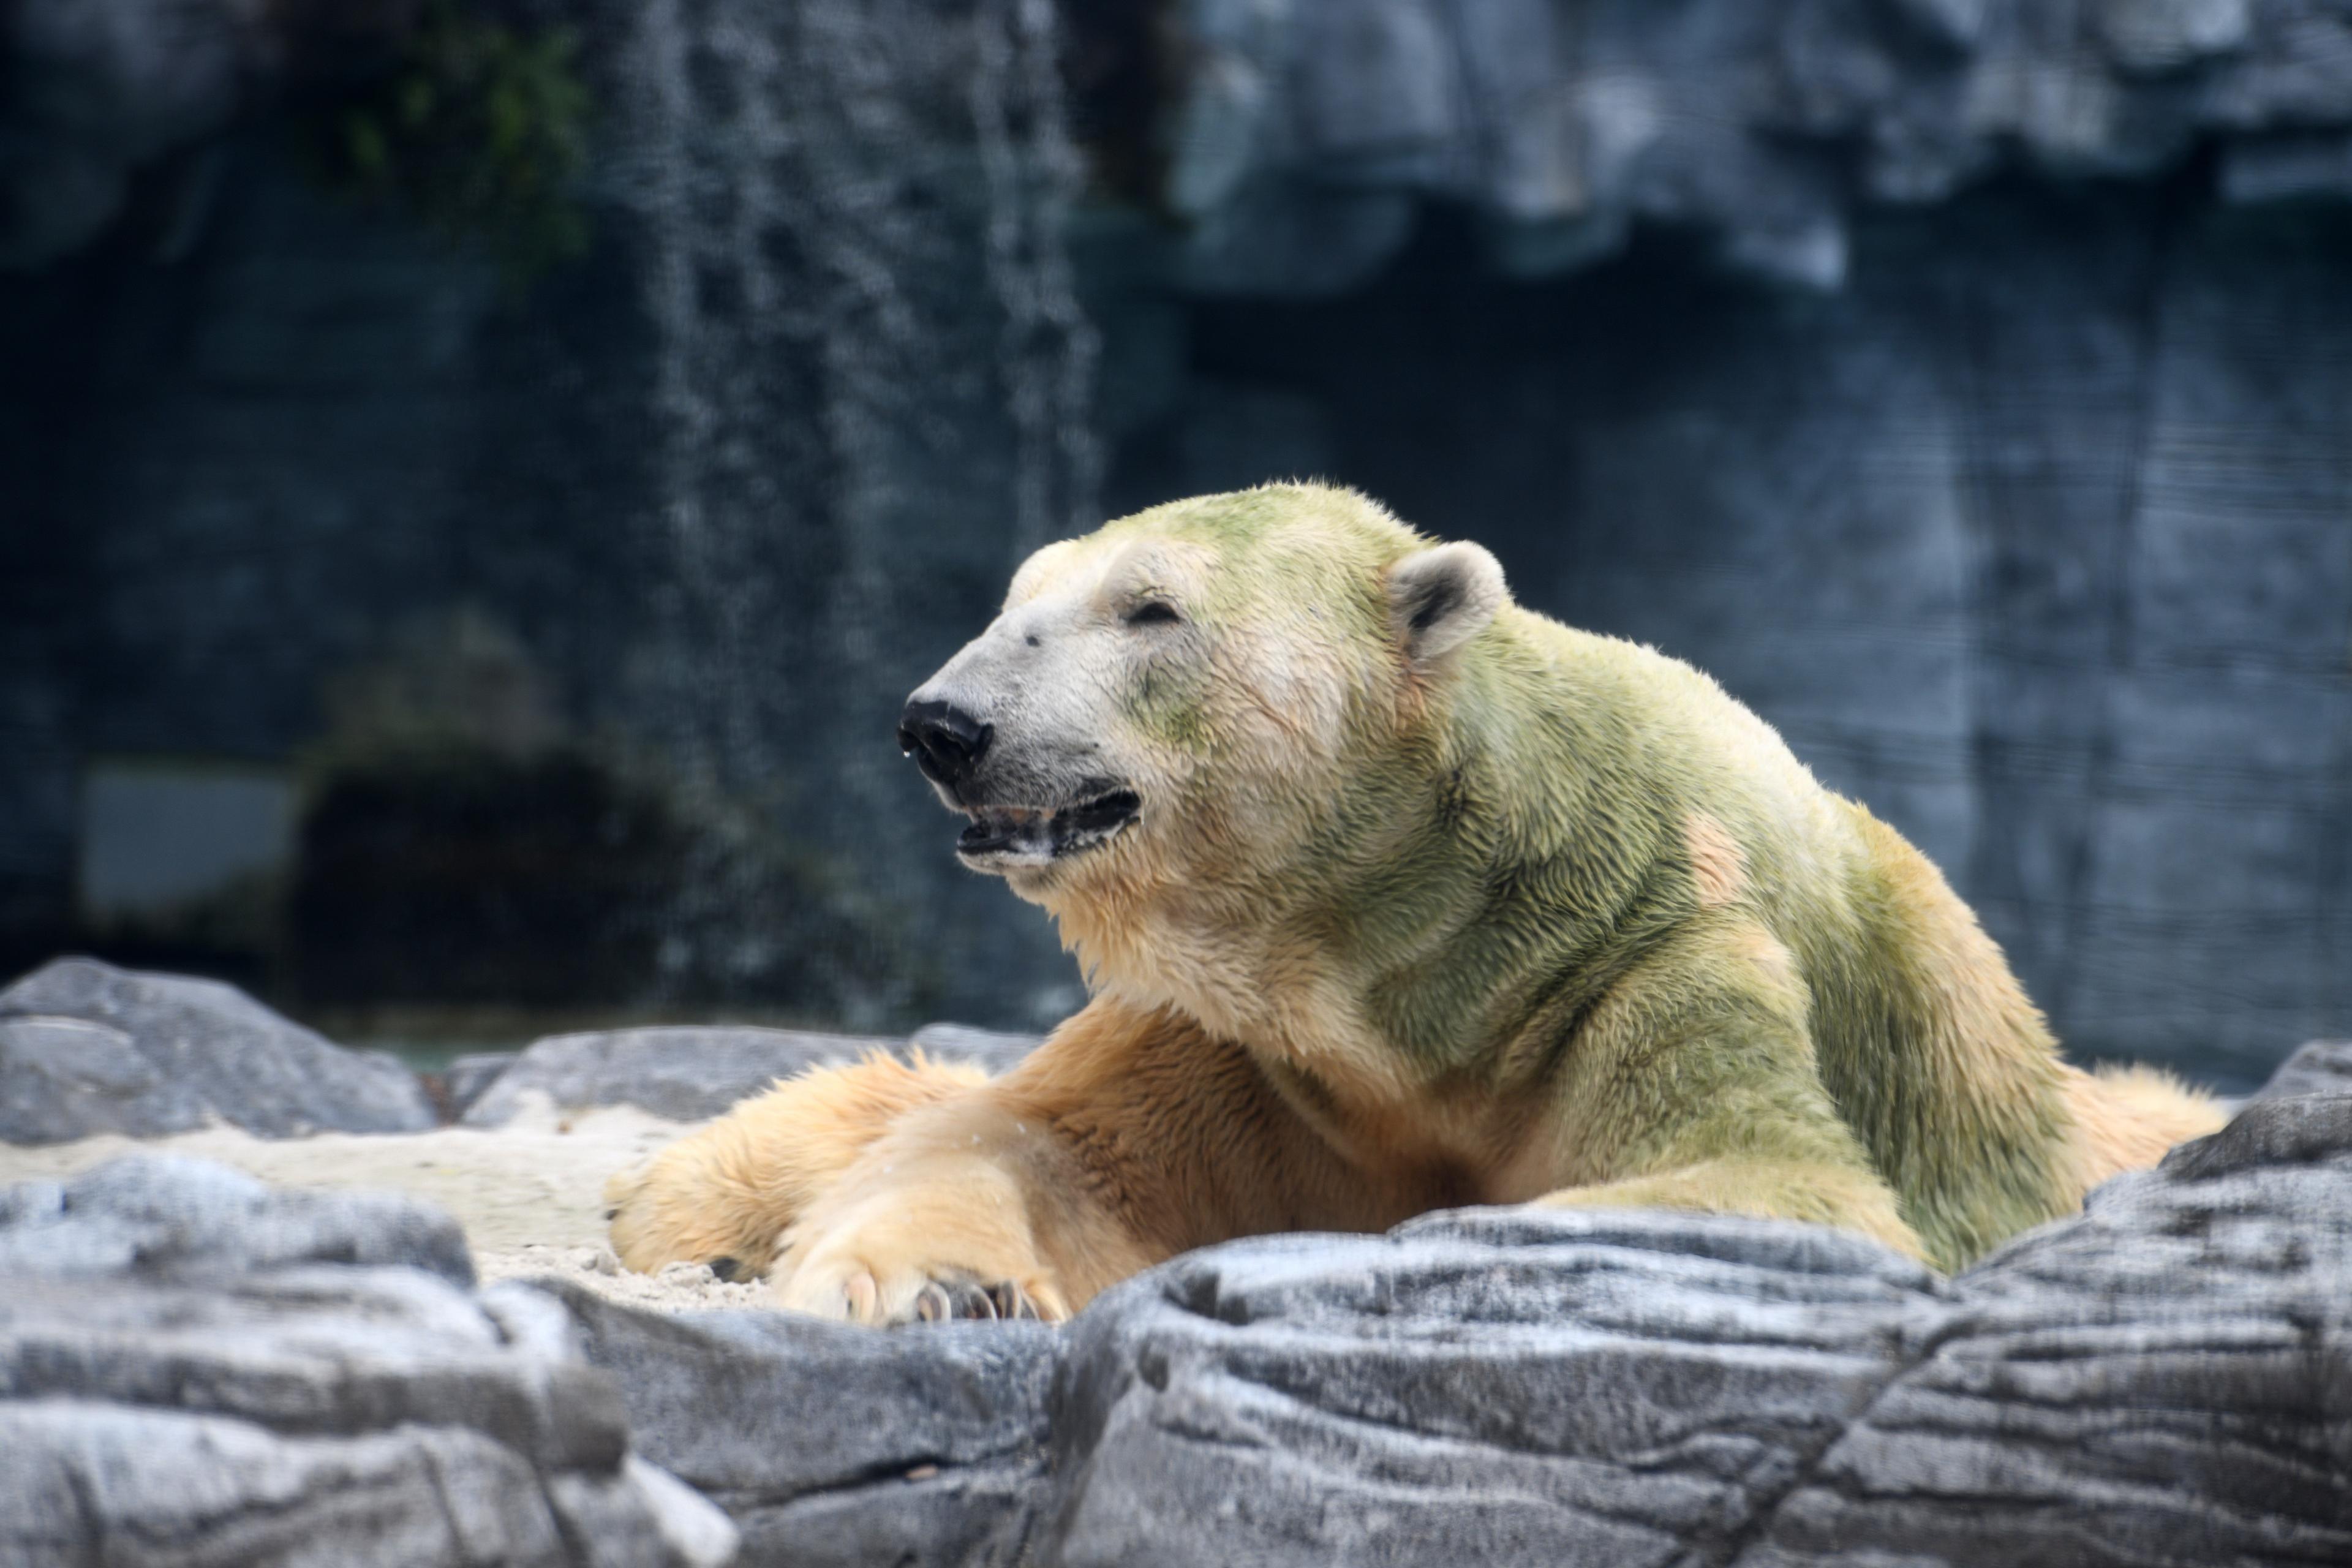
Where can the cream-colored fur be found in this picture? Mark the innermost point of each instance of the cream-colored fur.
(1416, 900)
(728, 1192)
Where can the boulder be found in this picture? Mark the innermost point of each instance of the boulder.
(195, 1369)
(469, 1078)
(689, 1073)
(2318, 1066)
(227, 1372)
(994, 1050)
(85, 1048)
(1492, 1387)
(2167, 1378)
(832, 1444)
(168, 1217)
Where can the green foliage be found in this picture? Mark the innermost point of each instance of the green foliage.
(479, 132)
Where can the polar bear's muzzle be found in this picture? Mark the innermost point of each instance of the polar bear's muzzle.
(1039, 827)
(1005, 835)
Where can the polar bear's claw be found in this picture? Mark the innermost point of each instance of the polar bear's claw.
(949, 1300)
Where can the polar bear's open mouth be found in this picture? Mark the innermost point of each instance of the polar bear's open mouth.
(1031, 835)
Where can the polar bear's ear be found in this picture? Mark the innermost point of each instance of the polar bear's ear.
(1441, 598)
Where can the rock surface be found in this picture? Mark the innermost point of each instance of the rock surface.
(995, 1050)
(85, 1048)
(195, 1369)
(1304, 134)
(469, 1078)
(1495, 1388)
(167, 1217)
(832, 1444)
(98, 88)
(2167, 1379)
(692, 1073)
(2317, 1066)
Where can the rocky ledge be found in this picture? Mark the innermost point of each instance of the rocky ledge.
(1302, 138)
(687, 1072)
(87, 1048)
(196, 1369)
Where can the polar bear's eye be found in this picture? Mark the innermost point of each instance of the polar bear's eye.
(1153, 613)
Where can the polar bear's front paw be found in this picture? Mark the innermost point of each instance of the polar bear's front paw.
(918, 1261)
(856, 1292)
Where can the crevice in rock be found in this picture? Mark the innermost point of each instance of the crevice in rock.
(1762, 1515)
(945, 1474)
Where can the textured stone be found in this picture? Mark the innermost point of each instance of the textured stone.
(1505, 1387)
(691, 1072)
(219, 1372)
(174, 1217)
(1303, 132)
(2166, 1378)
(100, 88)
(2029, 535)
(2318, 1066)
(85, 1048)
(832, 1445)
(994, 1050)
(469, 1078)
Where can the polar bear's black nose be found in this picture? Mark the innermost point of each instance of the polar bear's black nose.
(946, 741)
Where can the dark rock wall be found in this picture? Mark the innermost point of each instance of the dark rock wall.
(737, 480)
(2028, 520)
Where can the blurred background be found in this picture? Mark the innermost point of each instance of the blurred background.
(478, 477)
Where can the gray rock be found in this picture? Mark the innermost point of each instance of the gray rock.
(469, 1078)
(85, 1048)
(1498, 1387)
(691, 1072)
(167, 1217)
(2317, 1066)
(95, 89)
(832, 1444)
(992, 1048)
(104, 85)
(218, 1372)
(1302, 133)
(2165, 1379)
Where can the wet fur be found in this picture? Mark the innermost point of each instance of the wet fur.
(1436, 901)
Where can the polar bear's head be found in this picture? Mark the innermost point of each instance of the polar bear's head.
(1203, 696)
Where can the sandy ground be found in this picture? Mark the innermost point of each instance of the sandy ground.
(529, 1195)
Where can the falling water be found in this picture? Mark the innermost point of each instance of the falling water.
(1047, 348)
(867, 345)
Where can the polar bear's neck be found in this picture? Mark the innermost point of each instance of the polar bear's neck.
(1495, 854)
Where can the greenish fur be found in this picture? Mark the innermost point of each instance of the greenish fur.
(1537, 932)
(1170, 710)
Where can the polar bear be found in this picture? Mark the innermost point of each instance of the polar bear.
(1392, 895)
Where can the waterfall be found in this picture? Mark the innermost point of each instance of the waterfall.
(870, 373)
(1047, 348)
